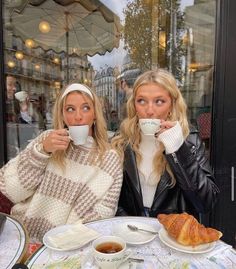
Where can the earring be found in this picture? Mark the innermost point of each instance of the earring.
(94, 126)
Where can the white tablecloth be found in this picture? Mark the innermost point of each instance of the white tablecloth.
(155, 253)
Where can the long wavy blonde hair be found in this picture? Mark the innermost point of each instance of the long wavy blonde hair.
(129, 128)
(99, 128)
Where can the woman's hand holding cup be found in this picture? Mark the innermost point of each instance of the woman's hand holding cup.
(165, 125)
(56, 140)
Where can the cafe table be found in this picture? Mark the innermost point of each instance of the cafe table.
(151, 253)
(13, 242)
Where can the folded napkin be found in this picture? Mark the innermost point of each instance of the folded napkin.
(76, 236)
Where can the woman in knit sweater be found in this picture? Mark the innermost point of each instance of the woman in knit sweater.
(167, 172)
(54, 182)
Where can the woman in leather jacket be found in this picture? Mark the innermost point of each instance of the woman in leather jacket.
(167, 172)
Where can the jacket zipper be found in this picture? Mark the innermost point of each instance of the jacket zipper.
(182, 171)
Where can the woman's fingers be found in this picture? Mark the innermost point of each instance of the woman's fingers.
(165, 125)
(56, 140)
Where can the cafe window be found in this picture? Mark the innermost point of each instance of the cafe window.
(105, 44)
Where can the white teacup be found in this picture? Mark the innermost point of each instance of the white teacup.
(150, 126)
(21, 96)
(79, 134)
(110, 251)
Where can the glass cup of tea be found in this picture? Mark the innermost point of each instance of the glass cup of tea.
(110, 252)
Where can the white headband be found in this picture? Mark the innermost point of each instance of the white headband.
(77, 87)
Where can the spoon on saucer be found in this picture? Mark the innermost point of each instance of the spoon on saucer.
(135, 228)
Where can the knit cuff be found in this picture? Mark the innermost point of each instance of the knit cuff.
(38, 154)
(172, 138)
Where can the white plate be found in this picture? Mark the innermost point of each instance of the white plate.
(167, 240)
(61, 229)
(134, 237)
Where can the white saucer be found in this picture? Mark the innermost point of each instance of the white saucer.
(134, 237)
(168, 241)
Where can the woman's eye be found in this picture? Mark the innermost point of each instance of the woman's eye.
(159, 101)
(69, 109)
(141, 101)
(86, 108)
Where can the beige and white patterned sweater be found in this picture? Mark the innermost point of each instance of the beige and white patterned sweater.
(46, 196)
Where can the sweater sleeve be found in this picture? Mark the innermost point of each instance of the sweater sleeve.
(21, 175)
(172, 138)
(106, 207)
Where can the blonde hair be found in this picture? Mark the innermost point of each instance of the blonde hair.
(99, 128)
(129, 128)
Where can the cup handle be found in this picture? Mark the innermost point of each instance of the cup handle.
(69, 135)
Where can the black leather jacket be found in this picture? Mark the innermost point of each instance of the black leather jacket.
(194, 192)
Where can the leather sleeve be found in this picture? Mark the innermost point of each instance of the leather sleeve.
(193, 174)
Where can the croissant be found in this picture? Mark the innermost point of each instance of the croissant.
(186, 230)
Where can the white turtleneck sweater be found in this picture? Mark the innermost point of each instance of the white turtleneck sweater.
(148, 179)
(172, 139)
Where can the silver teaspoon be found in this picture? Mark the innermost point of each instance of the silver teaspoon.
(135, 228)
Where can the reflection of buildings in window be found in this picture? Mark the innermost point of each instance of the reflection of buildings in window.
(39, 71)
(105, 87)
(199, 46)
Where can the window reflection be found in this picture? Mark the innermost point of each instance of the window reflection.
(176, 35)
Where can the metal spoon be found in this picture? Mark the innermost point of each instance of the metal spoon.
(135, 228)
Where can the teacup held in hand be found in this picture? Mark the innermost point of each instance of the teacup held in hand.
(21, 96)
(150, 126)
(79, 134)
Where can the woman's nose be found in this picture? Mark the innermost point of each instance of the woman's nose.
(149, 110)
(78, 116)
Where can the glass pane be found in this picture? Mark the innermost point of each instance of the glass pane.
(125, 39)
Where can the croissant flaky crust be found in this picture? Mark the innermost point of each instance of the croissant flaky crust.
(186, 230)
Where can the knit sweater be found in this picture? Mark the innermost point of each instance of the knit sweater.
(46, 196)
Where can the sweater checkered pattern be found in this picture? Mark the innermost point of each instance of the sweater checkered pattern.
(45, 195)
